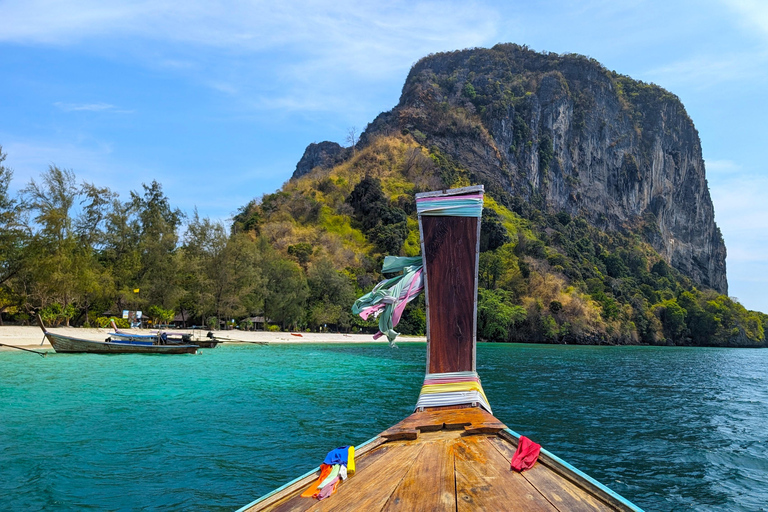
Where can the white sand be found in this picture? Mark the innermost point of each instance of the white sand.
(30, 337)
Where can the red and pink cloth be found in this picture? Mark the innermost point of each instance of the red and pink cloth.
(526, 455)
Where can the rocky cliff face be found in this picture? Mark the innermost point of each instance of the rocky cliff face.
(324, 154)
(562, 133)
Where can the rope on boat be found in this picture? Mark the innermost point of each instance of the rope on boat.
(454, 388)
(470, 205)
(41, 354)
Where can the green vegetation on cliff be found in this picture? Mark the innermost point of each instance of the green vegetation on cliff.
(543, 277)
(302, 254)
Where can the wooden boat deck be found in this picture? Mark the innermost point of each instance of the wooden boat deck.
(453, 456)
(456, 459)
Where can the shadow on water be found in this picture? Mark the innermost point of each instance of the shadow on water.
(669, 428)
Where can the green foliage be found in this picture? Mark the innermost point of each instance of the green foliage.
(160, 315)
(493, 234)
(301, 255)
(285, 290)
(302, 252)
(158, 225)
(330, 291)
(105, 322)
(414, 319)
(14, 239)
(546, 152)
(469, 91)
(672, 318)
(54, 314)
(247, 218)
(385, 225)
(496, 315)
(451, 173)
(521, 133)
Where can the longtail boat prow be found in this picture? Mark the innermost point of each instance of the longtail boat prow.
(451, 453)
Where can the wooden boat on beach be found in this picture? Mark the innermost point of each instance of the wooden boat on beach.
(72, 345)
(160, 337)
(451, 453)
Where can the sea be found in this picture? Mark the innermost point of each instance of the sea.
(667, 428)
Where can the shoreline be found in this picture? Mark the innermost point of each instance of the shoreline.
(31, 336)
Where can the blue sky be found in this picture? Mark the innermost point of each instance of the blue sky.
(217, 100)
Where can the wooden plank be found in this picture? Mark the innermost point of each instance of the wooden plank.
(363, 458)
(457, 418)
(377, 475)
(397, 435)
(430, 484)
(485, 482)
(372, 486)
(558, 490)
(450, 254)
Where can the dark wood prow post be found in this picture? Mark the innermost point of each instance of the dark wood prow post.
(450, 249)
(41, 324)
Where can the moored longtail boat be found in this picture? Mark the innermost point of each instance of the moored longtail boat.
(72, 345)
(158, 337)
(451, 453)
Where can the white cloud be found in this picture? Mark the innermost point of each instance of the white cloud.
(722, 166)
(361, 30)
(742, 214)
(301, 53)
(741, 211)
(89, 107)
(92, 161)
(754, 13)
(706, 71)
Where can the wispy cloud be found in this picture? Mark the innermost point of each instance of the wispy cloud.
(353, 28)
(245, 44)
(90, 107)
(753, 13)
(707, 71)
(742, 214)
(91, 160)
(722, 167)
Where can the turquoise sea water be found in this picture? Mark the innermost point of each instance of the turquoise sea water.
(668, 428)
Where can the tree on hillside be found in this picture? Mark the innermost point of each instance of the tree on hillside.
(384, 224)
(331, 295)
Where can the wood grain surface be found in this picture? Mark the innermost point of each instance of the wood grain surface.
(450, 245)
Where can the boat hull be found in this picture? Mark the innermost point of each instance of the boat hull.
(456, 459)
(70, 345)
(119, 337)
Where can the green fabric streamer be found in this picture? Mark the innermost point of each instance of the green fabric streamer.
(389, 297)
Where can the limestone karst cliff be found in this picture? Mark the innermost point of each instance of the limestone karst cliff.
(562, 133)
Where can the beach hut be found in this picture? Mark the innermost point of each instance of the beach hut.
(451, 453)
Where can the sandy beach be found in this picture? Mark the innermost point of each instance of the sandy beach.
(31, 337)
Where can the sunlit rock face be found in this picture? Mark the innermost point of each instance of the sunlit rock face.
(562, 133)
